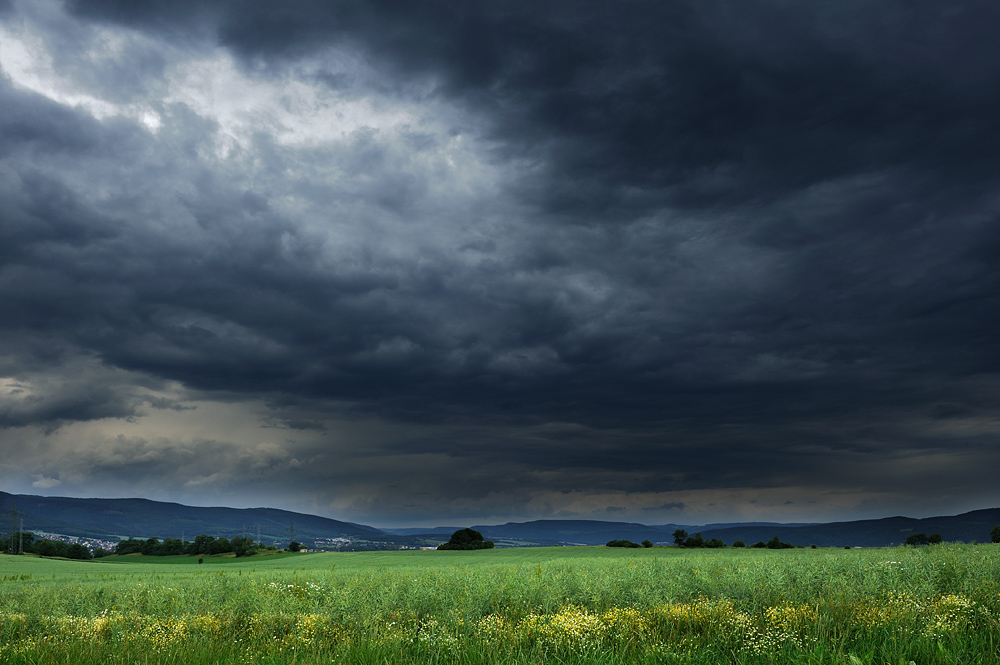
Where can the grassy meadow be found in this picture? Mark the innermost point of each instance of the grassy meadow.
(938, 604)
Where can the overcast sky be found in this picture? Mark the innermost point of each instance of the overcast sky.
(417, 263)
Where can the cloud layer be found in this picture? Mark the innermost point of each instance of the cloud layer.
(398, 262)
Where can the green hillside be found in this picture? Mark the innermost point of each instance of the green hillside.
(141, 518)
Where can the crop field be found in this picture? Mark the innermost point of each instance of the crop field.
(895, 606)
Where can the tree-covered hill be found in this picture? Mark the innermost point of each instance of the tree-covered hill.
(967, 527)
(140, 518)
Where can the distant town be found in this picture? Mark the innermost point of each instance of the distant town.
(92, 544)
(98, 547)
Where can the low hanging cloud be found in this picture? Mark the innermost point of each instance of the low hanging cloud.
(45, 483)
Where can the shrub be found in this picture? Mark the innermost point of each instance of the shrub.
(622, 543)
(739, 543)
(776, 544)
(995, 534)
(647, 543)
(917, 539)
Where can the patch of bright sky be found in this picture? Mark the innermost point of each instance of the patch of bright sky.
(26, 60)
(295, 112)
(296, 108)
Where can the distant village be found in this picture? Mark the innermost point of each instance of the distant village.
(91, 544)
(99, 547)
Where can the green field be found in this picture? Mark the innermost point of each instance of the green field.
(937, 604)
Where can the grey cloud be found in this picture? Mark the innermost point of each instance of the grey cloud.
(168, 403)
(39, 393)
(205, 469)
(780, 95)
(295, 424)
(694, 246)
(674, 505)
(118, 67)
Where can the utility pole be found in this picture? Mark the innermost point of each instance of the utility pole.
(18, 547)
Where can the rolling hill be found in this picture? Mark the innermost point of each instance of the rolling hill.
(113, 519)
(967, 527)
(142, 518)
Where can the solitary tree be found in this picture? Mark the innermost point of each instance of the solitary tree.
(680, 535)
(995, 534)
(466, 539)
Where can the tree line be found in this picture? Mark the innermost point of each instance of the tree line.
(25, 542)
(203, 544)
(682, 539)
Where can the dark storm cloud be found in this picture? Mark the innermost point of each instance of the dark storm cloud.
(721, 245)
(700, 101)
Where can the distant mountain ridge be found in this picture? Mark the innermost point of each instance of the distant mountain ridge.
(973, 526)
(598, 524)
(114, 519)
(143, 518)
(967, 527)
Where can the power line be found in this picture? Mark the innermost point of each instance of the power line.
(18, 546)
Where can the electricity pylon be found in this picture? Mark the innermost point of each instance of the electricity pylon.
(12, 546)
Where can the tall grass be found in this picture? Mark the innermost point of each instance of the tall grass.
(936, 604)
